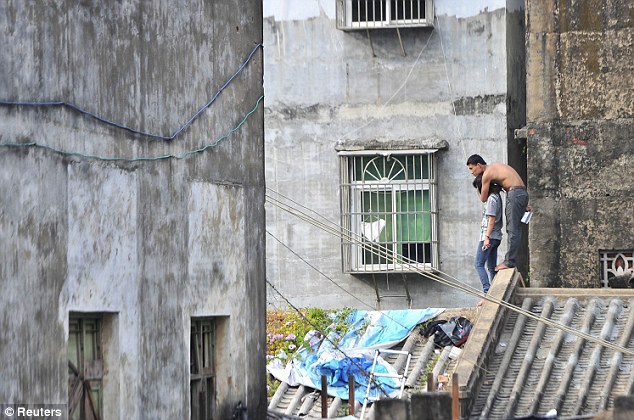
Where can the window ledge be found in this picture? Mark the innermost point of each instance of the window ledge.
(411, 145)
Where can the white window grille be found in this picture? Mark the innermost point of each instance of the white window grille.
(616, 264)
(389, 211)
(375, 14)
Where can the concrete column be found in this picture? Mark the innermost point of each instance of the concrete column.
(431, 406)
(391, 410)
(624, 408)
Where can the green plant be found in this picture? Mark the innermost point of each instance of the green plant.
(271, 385)
(286, 330)
(421, 384)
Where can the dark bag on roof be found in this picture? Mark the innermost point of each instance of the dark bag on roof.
(453, 331)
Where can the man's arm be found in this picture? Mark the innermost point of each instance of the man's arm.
(484, 192)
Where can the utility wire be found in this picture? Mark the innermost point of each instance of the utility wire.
(139, 158)
(384, 313)
(363, 371)
(475, 362)
(178, 131)
(405, 81)
(380, 250)
(451, 93)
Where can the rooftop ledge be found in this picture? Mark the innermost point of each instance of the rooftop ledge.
(412, 145)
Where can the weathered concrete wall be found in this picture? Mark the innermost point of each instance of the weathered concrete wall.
(150, 243)
(580, 114)
(324, 85)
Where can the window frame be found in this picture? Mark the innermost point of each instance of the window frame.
(202, 368)
(86, 374)
(345, 14)
(353, 243)
(615, 264)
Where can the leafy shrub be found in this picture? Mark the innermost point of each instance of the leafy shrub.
(286, 329)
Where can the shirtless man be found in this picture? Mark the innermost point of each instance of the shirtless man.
(516, 200)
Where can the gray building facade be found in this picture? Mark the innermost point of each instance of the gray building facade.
(580, 119)
(411, 97)
(132, 215)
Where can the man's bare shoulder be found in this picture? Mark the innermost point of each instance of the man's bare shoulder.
(497, 166)
(493, 170)
(503, 174)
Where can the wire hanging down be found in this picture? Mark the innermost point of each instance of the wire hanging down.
(133, 130)
(138, 158)
(380, 250)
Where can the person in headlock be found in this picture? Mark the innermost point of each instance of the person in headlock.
(490, 234)
(516, 200)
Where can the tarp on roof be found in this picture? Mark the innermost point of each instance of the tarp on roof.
(353, 354)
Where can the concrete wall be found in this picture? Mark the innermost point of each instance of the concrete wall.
(580, 115)
(148, 243)
(456, 82)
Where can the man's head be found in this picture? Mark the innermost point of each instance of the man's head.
(476, 165)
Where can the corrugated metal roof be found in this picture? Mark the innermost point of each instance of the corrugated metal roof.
(519, 364)
(425, 357)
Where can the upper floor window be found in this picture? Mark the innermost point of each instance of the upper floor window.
(389, 210)
(371, 14)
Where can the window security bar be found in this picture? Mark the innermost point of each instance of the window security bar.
(377, 14)
(389, 208)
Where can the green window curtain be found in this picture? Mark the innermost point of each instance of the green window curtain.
(413, 220)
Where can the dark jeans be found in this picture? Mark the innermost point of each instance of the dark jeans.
(487, 257)
(516, 203)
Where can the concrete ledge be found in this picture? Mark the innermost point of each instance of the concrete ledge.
(579, 293)
(486, 330)
(376, 144)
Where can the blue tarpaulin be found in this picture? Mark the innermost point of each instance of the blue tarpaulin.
(352, 354)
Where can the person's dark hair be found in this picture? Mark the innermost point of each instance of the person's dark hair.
(495, 188)
(475, 159)
(477, 183)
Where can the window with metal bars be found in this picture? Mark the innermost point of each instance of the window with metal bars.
(375, 14)
(85, 366)
(617, 268)
(201, 367)
(389, 212)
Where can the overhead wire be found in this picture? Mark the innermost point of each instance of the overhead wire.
(451, 93)
(380, 250)
(139, 158)
(475, 362)
(106, 121)
(405, 80)
(362, 370)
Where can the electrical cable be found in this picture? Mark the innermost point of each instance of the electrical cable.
(384, 313)
(133, 130)
(409, 74)
(453, 104)
(363, 371)
(377, 249)
(139, 158)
